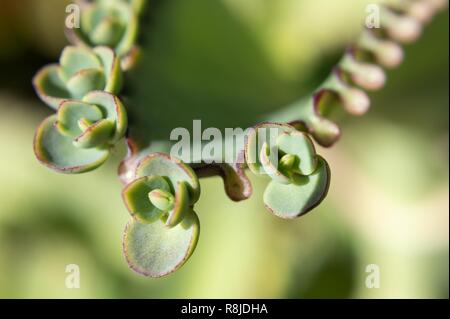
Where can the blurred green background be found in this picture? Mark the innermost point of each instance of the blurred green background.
(388, 201)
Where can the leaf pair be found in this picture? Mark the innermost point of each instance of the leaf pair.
(79, 136)
(300, 178)
(81, 71)
(112, 23)
(164, 230)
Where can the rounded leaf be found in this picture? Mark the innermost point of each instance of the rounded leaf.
(74, 59)
(299, 144)
(135, 196)
(81, 71)
(113, 110)
(159, 164)
(85, 81)
(296, 199)
(71, 112)
(57, 151)
(111, 23)
(155, 250)
(49, 87)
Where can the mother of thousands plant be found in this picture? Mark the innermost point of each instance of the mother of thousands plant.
(160, 190)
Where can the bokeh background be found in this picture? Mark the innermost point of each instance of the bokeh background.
(388, 201)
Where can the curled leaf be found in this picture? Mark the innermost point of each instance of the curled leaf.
(289, 201)
(261, 135)
(136, 198)
(78, 138)
(159, 164)
(108, 23)
(57, 151)
(81, 71)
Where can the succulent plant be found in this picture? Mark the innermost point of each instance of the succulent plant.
(160, 191)
(78, 138)
(300, 178)
(80, 71)
(112, 23)
(165, 229)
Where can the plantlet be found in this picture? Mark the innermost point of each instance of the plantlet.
(160, 190)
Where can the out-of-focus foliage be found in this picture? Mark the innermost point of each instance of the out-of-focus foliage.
(389, 200)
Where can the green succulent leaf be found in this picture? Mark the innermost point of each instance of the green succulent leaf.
(270, 168)
(80, 72)
(263, 134)
(181, 205)
(78, 138)
(51, 89)
(95, 135)
(162, 200)
(289, 201)
(107, 32)
(113, 110)
(159, 164)
(70, 113)
(136, 198)
(85, 81)
(155, 250)
(57, 151)
(76, 59)
(299, 144)
(109, 23)
(111, 68)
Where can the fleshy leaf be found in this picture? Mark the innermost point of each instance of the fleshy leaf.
(111, 23)
(81, 71)
(107, 32)
(111, 69)
(262, 133)
(113, 110)
(299, 144)
(181, 205)
(85, 81)
(135, 196)
(49, 87)
(74, 59)
(296, 199)
(69, 114)
(270, 168)
(95, 135)
(57, 151)
(159, 164)
(163, 200)
(155, 250)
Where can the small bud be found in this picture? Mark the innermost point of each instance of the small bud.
(422, 11)
(389, 54)
(287, 162)
(356, 101)
(369, 77)
(162, 200)
(84, 124)
(404, 29)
